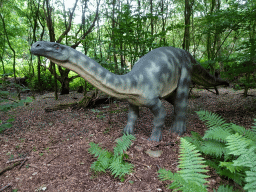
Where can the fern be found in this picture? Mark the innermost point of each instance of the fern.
(254, 126)
(112, 161)
(214, 148)
(232, 143)
(224, 188)
(212, 119)
(190, 177)
(123, 144)
(217, 133)
(246, 150)
(104, 158)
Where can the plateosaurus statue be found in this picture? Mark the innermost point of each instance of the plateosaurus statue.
(163, 73)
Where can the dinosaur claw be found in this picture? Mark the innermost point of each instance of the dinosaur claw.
(155, 136)
(128, 130)
(178, 127)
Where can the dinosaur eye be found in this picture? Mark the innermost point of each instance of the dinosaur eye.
(56, 46)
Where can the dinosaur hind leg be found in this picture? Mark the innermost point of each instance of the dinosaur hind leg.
(180, 102)
(159, 117)
(132, 117)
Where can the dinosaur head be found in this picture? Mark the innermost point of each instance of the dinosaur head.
(53, 51)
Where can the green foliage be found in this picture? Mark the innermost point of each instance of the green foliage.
(46, 81)
(114, 162)
(189, 177)
(224, 188)
(231, 148)
(7, 103)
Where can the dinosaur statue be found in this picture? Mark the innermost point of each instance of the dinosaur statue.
(163, 73)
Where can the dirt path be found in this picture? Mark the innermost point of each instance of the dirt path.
(57, 143)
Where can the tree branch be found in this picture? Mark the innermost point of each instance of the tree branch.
(90, 28)
(69, 24)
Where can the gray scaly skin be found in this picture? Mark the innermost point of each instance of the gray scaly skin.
(164, 73)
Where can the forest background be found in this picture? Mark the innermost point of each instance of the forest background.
(219, 34)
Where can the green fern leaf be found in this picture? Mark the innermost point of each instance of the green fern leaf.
(191, 164)
(251, 181)
(245, 132)
(190, 177)
(195, 139)
(214, 148)
(217, 133)
(224, 188)
(165, 175)
(212, 119)
(114, 162)
(179, 183)
(123, 144)
(237, 144)
(230, 166)
(120, 168)
(254, 127)
(104, 157)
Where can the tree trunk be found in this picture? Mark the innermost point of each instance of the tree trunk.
(187, 14)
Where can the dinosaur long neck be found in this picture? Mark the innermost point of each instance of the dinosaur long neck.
(120, 86)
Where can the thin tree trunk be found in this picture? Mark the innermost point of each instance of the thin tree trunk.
(14, 54)
(151, 21)
(52, 39)
(187, 14)
(2, 57)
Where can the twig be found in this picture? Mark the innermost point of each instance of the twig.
(137, 163)
(9, 167)
(34, 166)
(20, 159)
(52, 158)
(5, 187)
(22, 163)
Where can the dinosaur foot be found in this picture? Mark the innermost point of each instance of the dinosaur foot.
(178, 127)
(156, 136)
(128, 130)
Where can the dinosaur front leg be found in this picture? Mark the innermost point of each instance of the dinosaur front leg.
(180, 104)
(132, 117)
(158, 122)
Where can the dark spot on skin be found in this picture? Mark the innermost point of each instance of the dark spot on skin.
(95, 69)
(103, 74)
(111, 80)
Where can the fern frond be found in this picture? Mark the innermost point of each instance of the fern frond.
(165, 174)
(179, 183)
(251, 180)
(120, 168)
(195, 139)
(189, 177)
(214, 148)
(212, 119)
(191, 164)
(123, 144)
(218, 134)
(104, 157)
(254, 126)
(224, 188)
(237, 144)
(96, 150)
(246, 150)
(230, 166)
(114, 162)
(245, 132)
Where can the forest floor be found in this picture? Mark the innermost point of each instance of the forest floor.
(55, 145)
